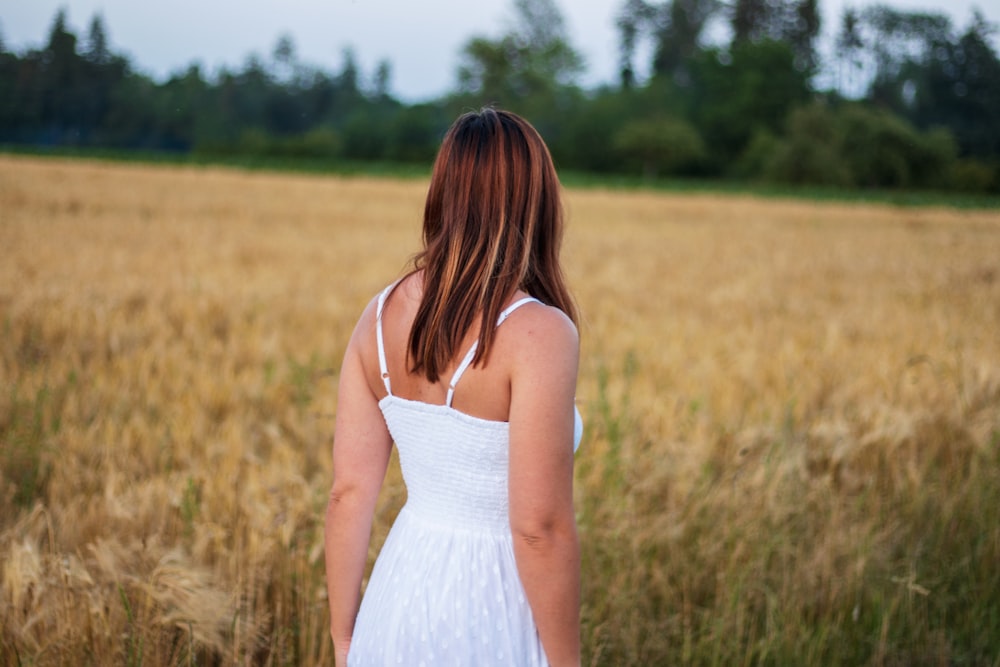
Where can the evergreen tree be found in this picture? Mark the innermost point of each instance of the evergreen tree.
(383, 79)
(59, 84)
(97, 51)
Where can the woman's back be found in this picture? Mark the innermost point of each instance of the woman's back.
(446, 580)
(485, 389)
(454, 461)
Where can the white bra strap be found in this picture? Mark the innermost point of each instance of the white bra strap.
(475, 346)
(383, 368)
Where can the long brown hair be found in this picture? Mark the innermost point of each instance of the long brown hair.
(493, 224)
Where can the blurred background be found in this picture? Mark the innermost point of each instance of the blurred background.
(814, 92)
(792, 406)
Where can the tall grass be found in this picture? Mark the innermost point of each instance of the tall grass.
(792, 443)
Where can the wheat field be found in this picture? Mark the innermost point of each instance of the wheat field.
(792, 418)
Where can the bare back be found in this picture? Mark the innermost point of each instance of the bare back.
(484, 391)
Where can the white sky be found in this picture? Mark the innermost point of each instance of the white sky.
(420, 38)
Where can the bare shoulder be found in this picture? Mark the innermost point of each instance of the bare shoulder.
(365, 324)
(362, 343)
(406, 289)
(538, 319)
(542, 334)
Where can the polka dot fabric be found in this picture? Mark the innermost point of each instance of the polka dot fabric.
(445, 588)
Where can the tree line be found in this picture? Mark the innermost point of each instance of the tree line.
(734, 90)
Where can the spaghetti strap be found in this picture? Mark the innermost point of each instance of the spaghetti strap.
(383, 368)
(475, 345)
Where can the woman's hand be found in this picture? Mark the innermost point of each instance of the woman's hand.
(340, 651)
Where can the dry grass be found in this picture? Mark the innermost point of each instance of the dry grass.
(792, 452)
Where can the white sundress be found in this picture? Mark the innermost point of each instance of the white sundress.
(445, 589)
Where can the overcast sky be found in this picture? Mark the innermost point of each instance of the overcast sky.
(420, 38)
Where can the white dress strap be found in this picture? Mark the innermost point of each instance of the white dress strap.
(475, 346)
(383, 368)
(505, 313)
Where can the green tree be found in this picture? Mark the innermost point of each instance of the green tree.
(101, 71)
(350, 76)
(60, 84)
(848, 51)
(133, 120)
(751, 20)
(738, 93)
(795, 22)
(365, 137)
(802, 32)
(531, 69)
(587, 142)
(527, 65)
(97, 50)
(10, 111)
(630, 22)
(676, 27)
(184, 116)
(679, 35)
(383, 80)
(487, 69)
(957, 85)
(895, 40)
(285, 66)
(415, 132)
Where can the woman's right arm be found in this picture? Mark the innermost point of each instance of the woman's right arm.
(361, 449)
(542, 519)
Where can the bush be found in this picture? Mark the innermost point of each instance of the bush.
(318, 143)
(660, 144)
(858, 146)
(810, 153)
(933, 158)
(973, 176)
(754, 160)
(321, 142)
(883, 150)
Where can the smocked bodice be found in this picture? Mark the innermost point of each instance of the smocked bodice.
(454, 465)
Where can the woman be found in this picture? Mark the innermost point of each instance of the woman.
(481, 566)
